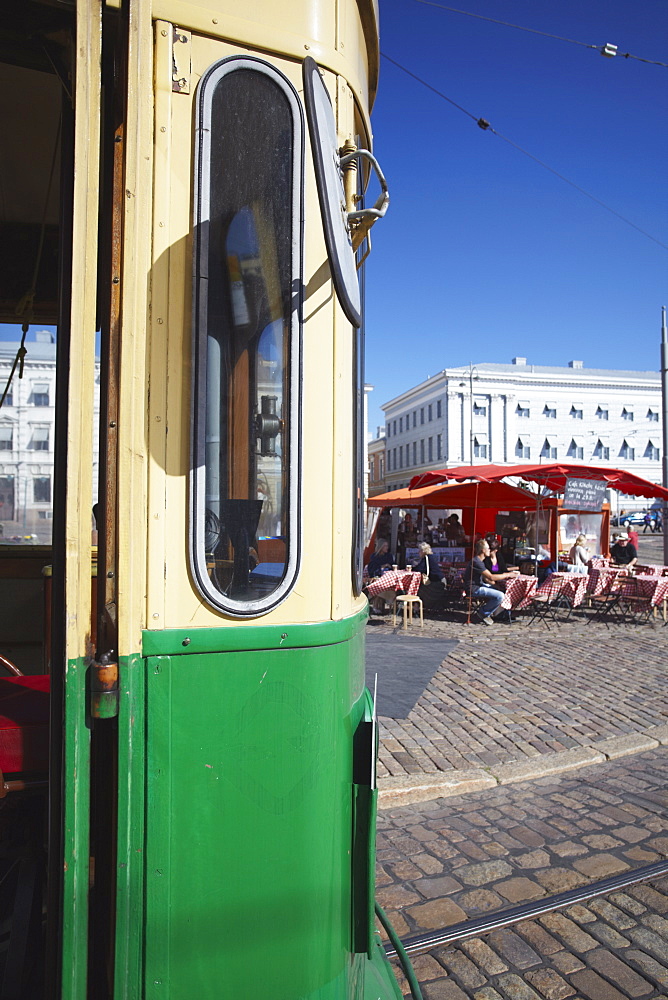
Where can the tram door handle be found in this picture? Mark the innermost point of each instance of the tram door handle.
(103, 677)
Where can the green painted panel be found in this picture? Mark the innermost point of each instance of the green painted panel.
(230, 637)
(128, 972)
(249, 824)
(76, 828)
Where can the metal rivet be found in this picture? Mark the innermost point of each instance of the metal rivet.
(186, 642)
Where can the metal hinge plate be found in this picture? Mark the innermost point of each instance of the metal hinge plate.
(181, 44)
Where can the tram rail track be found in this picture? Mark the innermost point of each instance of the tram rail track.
(419, 944)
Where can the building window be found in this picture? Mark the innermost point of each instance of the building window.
(438, 409)
(627, 452)
(602, 412)
(522, 410)
(549, 449)
(40, 394)
(522, 449)
(430, 450)
(414, 452)
(394, 428)
(439, 447)
(429, 413)
(401, 456)
(401, 425)
(550, 411)
(39, 440)
(479, 410)
(422, 415)
(381, 468)
(6, 438)
(414, 418)
(9, 399)
(394, 460)
(652, 452)
(41, 489)
(575, 450)
(627, 414)
(479, 448)
(653, 415)
(576, 412)
(601, 451)
(422, 450)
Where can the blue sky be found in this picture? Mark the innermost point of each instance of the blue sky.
(483, 254)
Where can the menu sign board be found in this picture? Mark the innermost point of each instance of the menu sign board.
(584, 494)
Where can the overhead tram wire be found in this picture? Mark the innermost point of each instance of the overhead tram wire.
(486, 127)
(605, 50)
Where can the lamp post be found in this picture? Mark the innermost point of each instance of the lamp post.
(473, 374)
(664, 418)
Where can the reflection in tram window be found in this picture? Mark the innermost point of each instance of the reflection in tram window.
(246, 338)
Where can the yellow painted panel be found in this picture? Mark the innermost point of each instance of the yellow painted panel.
(135, 288)
(327, 496)
(294, 29)
(82, 349)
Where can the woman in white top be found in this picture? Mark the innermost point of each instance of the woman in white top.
(579, 555)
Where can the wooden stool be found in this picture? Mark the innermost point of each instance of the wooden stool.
(407, 600)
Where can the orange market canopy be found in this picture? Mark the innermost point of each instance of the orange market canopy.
(482, 494)
(551, 476)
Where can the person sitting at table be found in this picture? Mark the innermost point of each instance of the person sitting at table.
(479, 582)
(495, 561)
(623, 553)
(579, 557)
(381, 559)
(454, 531)
(432, 592)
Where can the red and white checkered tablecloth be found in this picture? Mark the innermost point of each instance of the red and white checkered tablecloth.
(570, 585)
(599, 562)
(649, 570)
(519, 592)
(395, 580)
(602, 581)
(653, 588)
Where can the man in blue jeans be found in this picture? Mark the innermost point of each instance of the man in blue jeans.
(480, 582)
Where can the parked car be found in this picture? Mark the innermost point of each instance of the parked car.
(637, 518)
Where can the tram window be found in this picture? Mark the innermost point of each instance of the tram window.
(245, 512)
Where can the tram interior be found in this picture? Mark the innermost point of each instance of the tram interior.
(35, 95)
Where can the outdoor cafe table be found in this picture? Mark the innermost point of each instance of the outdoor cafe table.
(519, 592)
(644, 570)
(570, 585)
(401, 579)
(654, 588)
(600, 581)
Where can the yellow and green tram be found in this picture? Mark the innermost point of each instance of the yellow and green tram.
(184, 205)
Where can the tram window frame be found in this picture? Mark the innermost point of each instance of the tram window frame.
(221, 596)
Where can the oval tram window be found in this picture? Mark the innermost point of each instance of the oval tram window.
(247, 313)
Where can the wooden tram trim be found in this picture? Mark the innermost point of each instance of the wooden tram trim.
(420, 943)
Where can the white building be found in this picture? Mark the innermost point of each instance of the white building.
(514, 413)
(27, 439)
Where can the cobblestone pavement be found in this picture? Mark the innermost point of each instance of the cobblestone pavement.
(513, 694)
(444, 860)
